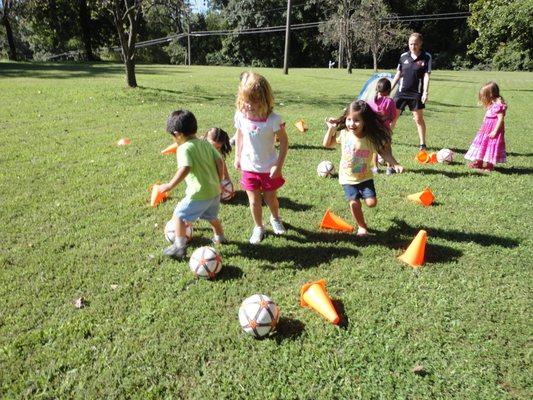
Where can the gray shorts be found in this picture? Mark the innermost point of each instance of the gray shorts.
(190, 210)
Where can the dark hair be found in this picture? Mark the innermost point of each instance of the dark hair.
(373, 125)
(182, 121)
(220, 136)
(383, 86)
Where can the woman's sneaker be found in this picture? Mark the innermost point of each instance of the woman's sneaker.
(277, 226)
(258, 235)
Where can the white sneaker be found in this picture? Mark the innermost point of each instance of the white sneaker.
(257, 235)
(277, 226)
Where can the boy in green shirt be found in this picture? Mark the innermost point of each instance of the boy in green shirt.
(202, 168)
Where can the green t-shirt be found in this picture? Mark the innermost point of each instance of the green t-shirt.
(200, 156)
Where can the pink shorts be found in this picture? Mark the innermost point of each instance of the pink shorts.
(260, 180)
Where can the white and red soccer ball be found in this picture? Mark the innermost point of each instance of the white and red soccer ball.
(205, 262)
(325, 169)
(170, 233)
(445, 156)
(259, 315)
(227, 191)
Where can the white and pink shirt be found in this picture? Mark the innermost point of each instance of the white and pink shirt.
(258, 141)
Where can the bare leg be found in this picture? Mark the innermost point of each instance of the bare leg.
(272, 202)
(418, 116)
(217, 227)
(357, 213)
(371, 202)
(256, 206)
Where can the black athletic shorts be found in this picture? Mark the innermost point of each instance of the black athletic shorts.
(414, 104)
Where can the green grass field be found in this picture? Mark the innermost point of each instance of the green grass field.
(75, 222)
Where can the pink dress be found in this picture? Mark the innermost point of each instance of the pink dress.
(483, 147)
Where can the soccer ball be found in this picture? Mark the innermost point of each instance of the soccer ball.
(170, 233)
(445, 156)
(227, 190)
(325, 169)
(258, 315)
(205, 262)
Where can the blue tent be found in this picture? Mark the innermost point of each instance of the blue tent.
(369, 88)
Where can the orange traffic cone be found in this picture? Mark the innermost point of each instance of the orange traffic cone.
(331, 221)
(314, 295)
(414, 255)
(432, 158)
(170, 149)
(157, 197)
(300, 125)
(424, 197)
(422, 157)
(124, 141)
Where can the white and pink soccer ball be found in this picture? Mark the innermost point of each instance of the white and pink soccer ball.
(325, 169)
(445, 156)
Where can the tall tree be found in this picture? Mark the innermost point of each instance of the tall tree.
(84, 16)
(127, 15)
(378, 30)
(7, 7)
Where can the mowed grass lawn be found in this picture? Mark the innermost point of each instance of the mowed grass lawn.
(75, 222)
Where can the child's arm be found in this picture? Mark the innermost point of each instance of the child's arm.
(283, 149)
(221, 167)
(181, 173)
(329, 138)
(395, 79)
(386, 153)
(499, 124)
(225, 174)
(238, 149)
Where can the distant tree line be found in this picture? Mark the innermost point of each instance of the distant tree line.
(356, 33)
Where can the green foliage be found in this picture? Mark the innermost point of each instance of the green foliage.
(177, 52)
(504, 33)
(75, 222)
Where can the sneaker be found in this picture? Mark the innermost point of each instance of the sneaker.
(375, 170)
(389, 171)
(361, 232)
(174, 251)
(277, 226)
(422, 147)
(219, 239)
(475, 165)
(258, 235)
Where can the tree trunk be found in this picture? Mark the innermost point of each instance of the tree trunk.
(85, 24)
(339, 65)
(375, 59)
(131, 80)
(9, 32)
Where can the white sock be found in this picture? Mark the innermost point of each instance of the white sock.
(180, 241)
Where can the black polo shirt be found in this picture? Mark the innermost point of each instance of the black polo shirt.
(412, 74)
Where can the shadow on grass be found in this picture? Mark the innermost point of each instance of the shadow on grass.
(308, 147)
(184, 96)
(229, 273)
(438, 103)
(300, 257)
(339, 307)
(241, 199)
(288, 329)
(449, 174)
(514, 171)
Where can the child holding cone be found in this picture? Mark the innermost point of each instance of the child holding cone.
(255, 152)
(201, 166)
(365, 134)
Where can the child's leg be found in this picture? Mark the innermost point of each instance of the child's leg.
(357, 213)
(271, 199)
(180, 229)
(371, 202)
(217, 227)
(256, 206)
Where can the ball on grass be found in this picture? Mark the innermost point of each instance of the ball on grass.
(205, 262)
(325, 169)
(170, 233)
(445, 156)
(258, 315)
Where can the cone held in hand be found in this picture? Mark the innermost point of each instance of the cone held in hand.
(332, 221)
(424, 197)
(170, 149)
(157, 197)
(415, 253)
(315, 296)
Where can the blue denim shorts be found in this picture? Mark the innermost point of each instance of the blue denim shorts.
(190, 210)
(363, 190)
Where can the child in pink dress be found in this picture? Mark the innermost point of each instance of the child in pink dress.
(385, 107)
(489, 144)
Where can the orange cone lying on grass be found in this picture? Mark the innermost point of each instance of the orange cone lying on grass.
(415, 253)
(170, 149)
(422, 157)
(157, 197)
(315, 296)
(332, 221)
(300, 125)
(124, 142)
(432, 158)
(424, 197)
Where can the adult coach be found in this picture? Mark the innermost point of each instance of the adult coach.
(413, 73)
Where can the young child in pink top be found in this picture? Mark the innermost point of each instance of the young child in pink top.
(384, 106)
